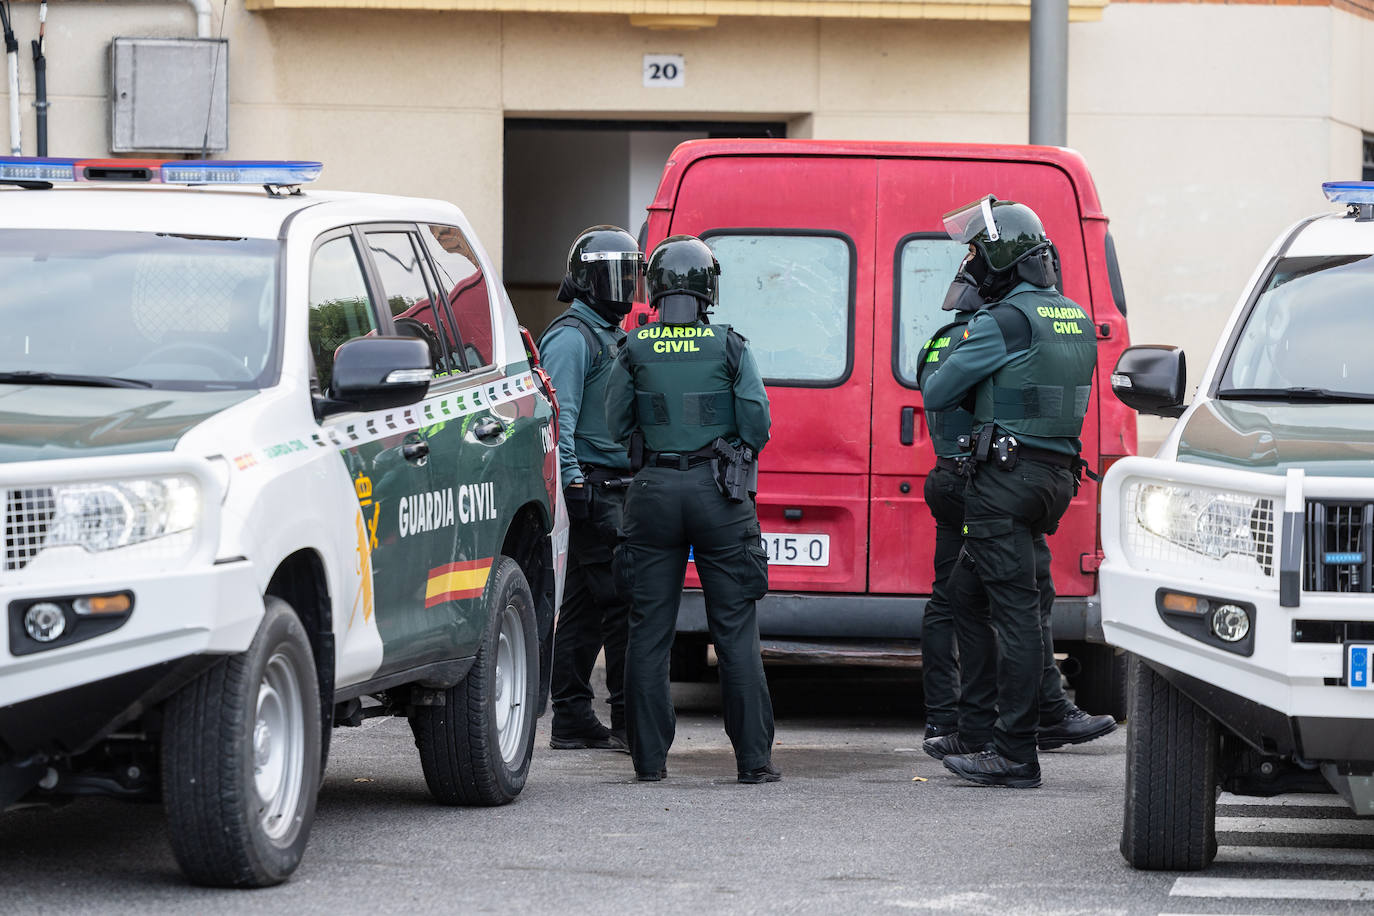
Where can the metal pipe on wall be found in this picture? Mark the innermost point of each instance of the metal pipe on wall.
(202, 8)
(1049, 72)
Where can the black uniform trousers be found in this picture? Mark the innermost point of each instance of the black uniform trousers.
(1002, 639)
(668, 511)
(593, 613)
(944, 495)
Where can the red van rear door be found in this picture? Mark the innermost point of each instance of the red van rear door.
(915, 263)
(789, 234)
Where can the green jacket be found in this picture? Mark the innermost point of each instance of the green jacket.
(580, 377)
(686, 385)
(1029, 360)
(946, 426)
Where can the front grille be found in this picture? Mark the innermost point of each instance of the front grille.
(1336, 546)
(28, 513)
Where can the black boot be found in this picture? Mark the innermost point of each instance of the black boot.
(1076, 727)
(989, 768)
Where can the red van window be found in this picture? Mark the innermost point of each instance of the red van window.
(460, 277)
(792, 295)
(926, 264)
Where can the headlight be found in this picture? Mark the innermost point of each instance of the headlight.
(103, 516)
(1208, 522)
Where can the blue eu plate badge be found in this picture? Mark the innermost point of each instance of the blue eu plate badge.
(1357, 666)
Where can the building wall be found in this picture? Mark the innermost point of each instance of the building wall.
(1208, 126)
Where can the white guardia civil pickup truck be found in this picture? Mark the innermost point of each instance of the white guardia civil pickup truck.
(1239, 559)
(272, 460)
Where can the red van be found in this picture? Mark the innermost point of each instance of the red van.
(834, 264)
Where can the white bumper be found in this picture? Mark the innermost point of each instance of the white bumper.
(1297, 679)
(184, 602)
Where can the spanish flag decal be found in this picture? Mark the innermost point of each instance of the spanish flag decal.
(457, 580)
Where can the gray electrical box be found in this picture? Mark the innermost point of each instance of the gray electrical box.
(169, 95)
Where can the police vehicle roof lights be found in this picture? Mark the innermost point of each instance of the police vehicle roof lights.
(32, 170)
(1359, 195)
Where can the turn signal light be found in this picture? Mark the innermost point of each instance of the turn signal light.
(1184, 604)
(95, 605)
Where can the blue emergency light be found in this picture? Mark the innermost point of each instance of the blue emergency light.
(24, 169)
(1349, 192)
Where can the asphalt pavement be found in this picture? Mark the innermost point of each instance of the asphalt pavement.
(862, 821)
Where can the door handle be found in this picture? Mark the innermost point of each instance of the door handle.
(415, 452)
(488, 428)
(908, 425)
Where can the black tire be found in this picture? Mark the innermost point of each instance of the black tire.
(215, 730)
(1171, 777)
(1100, 684)
(687, 659)
(461, 743)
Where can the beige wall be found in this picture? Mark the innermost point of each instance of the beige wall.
(1208, 127)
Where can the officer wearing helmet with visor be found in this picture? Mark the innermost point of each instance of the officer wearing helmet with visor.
(578, 350)
(1061, 722)
(693, 393)
(1027, 360)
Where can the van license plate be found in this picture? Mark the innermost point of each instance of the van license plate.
(797, 549)
(1358, 659)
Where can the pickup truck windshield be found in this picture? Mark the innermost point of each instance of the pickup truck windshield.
(136, 308)
(1307, 337)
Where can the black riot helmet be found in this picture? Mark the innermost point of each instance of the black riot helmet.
(1008, 244)
(604, 269)
(681, 279)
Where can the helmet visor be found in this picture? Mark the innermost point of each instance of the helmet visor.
(619, 275)
(964, 223)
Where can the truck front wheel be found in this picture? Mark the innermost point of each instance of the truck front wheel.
(1171, 777)
(241, 759)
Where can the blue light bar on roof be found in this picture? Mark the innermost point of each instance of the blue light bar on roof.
(158, 171)
(1349, 192)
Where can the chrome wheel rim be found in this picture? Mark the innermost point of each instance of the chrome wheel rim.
(512, 679)
(278, 747)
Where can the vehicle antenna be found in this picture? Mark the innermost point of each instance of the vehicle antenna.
(214, 76)
(40, 80)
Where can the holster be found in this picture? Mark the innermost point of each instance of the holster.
(734, 469)
(636, 451)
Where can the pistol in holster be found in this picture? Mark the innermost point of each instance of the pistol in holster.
(735, 470)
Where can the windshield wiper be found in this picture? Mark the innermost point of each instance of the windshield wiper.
(1296, 393)
(67, 378)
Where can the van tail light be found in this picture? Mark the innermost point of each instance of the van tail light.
(541, 377)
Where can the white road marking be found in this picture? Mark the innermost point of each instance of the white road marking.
(1325, 825)
(1284, 801)
(1272, 889)
(1293, 855)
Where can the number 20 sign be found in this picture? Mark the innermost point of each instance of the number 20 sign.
(664, 71)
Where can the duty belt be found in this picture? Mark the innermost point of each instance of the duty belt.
(680, 460)
(951, 464)
(1045, 456)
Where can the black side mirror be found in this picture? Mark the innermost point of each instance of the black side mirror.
(1151, 379)
(377, 373)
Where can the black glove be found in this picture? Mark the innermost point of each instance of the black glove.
(579, 502)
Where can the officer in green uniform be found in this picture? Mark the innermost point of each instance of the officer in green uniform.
(1061, 722)
(578, 351)
(1028, 359)
(693, 392)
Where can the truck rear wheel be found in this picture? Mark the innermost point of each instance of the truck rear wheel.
(241, 759)
(1100, 684)
(476, 748)
(1171, 777)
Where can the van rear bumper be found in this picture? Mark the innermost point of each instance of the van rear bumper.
(799, 615)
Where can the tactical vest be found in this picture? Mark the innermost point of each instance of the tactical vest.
(602, 345)
(684, 384)
(946, 426)
(1044, 390)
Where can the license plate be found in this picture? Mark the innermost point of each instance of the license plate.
(1358, 657)
(797, 549)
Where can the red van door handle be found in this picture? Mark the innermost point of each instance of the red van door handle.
(908, 425)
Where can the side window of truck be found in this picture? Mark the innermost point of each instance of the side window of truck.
(465, 286)
(792, 295)
(926, 264)
(340, 306)
(408, 295)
